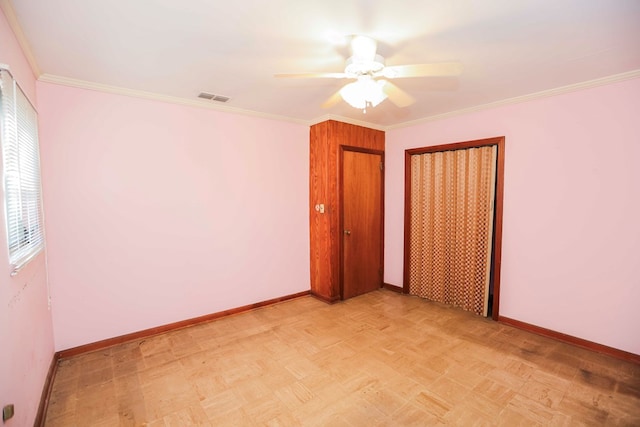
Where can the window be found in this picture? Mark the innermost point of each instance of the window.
(21, 160)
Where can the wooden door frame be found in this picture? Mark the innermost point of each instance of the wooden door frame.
(496, 255)
(344, 148)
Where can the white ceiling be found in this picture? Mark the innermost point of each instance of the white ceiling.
(508, 48)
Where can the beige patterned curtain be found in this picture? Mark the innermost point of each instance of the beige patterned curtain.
(452, 195)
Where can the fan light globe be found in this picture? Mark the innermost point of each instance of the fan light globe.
(363, 93)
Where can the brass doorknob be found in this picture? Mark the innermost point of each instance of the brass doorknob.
(347, 232)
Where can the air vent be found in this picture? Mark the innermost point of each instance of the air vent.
(212, 97)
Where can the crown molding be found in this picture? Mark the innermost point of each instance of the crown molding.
(83, 84)
(12, 19)
(524, 98)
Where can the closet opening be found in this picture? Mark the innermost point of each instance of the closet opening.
(453, 224)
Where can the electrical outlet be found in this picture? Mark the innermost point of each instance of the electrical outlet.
(7, 412)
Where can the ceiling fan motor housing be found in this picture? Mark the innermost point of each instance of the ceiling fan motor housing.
(357, 67)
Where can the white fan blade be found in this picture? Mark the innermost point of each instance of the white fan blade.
(333, 100)
(423, 70)
(396, 95)
(311, 76)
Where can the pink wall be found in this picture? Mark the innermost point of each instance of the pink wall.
(26, 335)
(571, 235)
(159, 212)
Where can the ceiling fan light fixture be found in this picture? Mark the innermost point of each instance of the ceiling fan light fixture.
(365, 66)
(364, 93)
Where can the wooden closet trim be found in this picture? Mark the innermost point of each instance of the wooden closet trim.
(496, 255)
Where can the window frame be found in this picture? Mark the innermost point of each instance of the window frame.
(21, 173)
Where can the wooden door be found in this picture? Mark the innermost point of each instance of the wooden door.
(362, 221)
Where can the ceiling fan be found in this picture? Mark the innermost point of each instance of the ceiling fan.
(372, 85)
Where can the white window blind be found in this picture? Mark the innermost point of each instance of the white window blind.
(21, 160)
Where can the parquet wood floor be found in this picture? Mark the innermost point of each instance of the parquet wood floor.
(381, 359)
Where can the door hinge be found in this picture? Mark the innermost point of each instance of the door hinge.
(381, 166)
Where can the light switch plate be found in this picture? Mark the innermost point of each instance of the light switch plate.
(7, 412)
